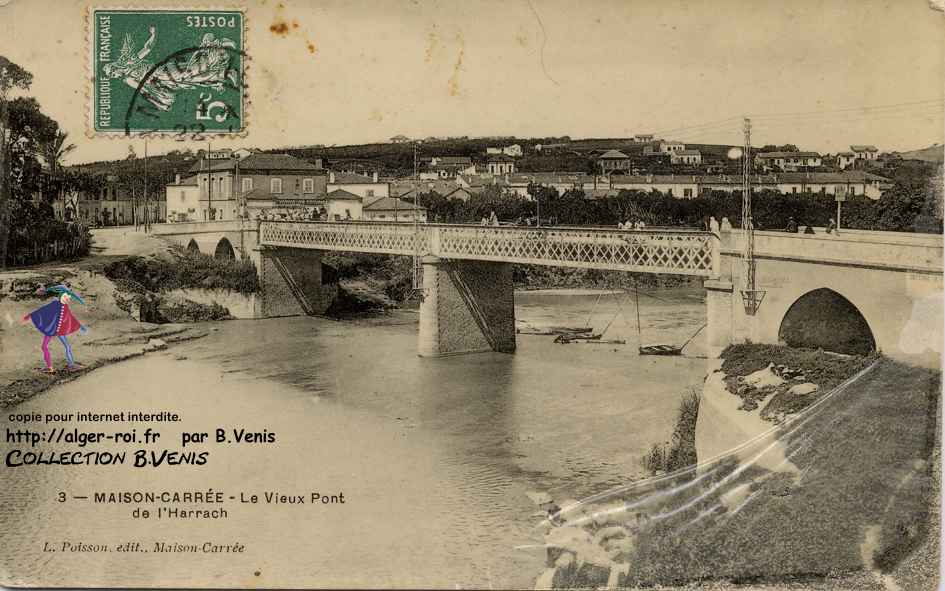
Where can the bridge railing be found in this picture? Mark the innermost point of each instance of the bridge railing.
(674, 252)
(387, 238)
(887, 250)
(653, 251)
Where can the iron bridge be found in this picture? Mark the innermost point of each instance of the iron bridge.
(681, 252)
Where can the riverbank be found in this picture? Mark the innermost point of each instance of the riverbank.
(838, 494)
(113, 334)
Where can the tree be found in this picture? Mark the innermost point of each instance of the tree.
(12, 77)
(775, 148)
(55, 149)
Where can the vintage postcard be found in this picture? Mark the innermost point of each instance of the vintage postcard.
(377, 294)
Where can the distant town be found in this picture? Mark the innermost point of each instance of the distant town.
(392, 181)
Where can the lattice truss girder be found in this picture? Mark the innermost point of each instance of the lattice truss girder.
(679, 252)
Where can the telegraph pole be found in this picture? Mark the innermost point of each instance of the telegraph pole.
(751, 296)
(417, 268)
(147, 203)
(209, 186)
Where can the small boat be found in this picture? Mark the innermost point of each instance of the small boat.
(553, 330)
(660, 350)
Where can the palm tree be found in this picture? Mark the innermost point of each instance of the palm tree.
(56, 148)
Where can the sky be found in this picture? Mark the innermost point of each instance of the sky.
(821, 74)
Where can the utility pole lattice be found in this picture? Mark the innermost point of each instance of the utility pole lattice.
(751, 296)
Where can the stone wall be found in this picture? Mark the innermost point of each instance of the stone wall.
(723, 428)
(468, 306)
(239, 305)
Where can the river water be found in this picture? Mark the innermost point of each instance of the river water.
(434, 456)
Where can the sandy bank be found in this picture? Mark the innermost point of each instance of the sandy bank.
(112, 336)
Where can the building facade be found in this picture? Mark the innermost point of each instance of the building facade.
(366, 187)
(788, 161)
(690, 157)
(228, 189)
(501, 164)
(391, 209)
(613, 161)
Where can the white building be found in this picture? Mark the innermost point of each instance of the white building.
(845, 160)
(686, 157)
(788, 161)
(865, 152)
(183, 200)
(366, 187)
(501, 164)
(391, 209)
(342, 205)
(670, 147)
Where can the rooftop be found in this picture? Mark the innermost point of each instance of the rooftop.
(342, 195)
(257, 161)
(453, 159)
(788, 155)
(391, 203)
(613, 155)
(350, 178)
(190, 181)
(864, 148)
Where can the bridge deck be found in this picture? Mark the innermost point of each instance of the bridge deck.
(679, 252)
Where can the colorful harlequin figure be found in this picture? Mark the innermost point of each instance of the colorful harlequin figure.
(55, 319)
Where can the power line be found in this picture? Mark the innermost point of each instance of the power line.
(720, 122)
(864, 109)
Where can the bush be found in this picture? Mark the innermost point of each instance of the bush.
(185, 269)
(680, 452)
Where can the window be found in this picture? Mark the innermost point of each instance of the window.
(687, 192)
(794, 189)
(247, 184)
(275, 186)
(370, 193)
(308, 185)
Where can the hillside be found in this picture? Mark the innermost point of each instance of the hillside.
(933, 153)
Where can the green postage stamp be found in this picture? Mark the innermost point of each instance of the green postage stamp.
(177, 72)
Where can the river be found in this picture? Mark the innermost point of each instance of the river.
(434, 456)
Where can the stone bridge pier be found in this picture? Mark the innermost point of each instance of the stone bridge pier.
(468, 306)
(293, 282)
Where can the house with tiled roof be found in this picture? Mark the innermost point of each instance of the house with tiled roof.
(447, 167)
(341, 205)
(686, 157)
(612, 161)
(367, 187)
(391, 209)
(182, 198)
(500, 164)
(788, 161)
(228, 188)
(845, 160)
(848, 183)
(865, 152)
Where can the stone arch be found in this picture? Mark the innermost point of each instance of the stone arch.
(224, 250)
(824, 319)
(192, 246)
